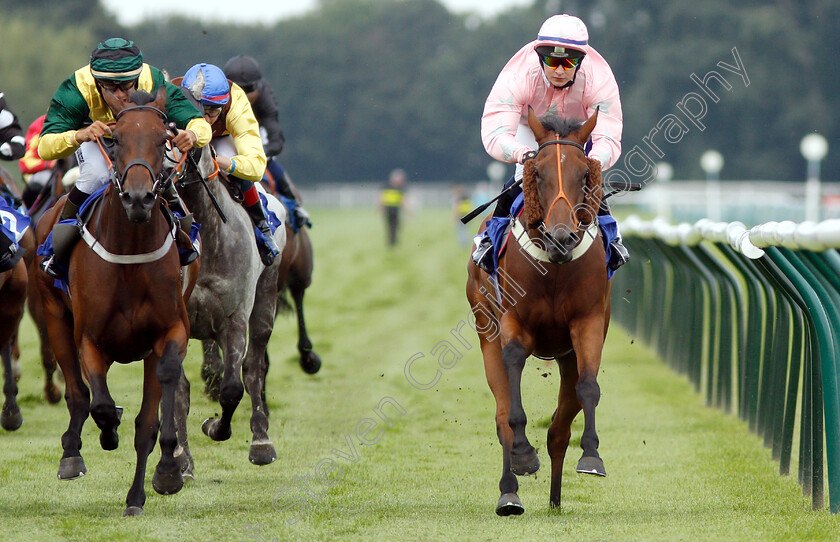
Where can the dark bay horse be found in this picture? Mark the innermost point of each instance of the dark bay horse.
(233, 300)
(127, 303)
(551, 299)
(33, 298)
(13, 285)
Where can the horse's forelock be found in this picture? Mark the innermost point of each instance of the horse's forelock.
(140, 97)
(562, 126)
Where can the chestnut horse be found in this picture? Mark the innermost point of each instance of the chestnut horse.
(127, 304)
(549, 298)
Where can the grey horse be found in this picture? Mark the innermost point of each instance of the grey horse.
(223, 303)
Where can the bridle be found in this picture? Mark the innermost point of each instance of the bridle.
(561, 194)
(160, 182)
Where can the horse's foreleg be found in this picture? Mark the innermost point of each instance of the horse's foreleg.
(146, 426)
(11, 419)
(260, 327)
(523, 456)
(168, 478)
(310, 362)
(233, 350)
(560, 430)
(588, 342)
(103, 410)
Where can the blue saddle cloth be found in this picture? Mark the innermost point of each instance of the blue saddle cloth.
(497, 229)
(273, 220)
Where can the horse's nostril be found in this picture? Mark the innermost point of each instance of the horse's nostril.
(148, 199)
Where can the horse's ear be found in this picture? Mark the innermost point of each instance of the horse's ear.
(197, 87)
(535, 125)
(160, 98)
(585, 131)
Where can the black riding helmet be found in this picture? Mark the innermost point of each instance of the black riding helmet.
(244, 71)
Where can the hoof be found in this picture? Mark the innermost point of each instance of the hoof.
(524, 464)
(167, 483)
(262, 453)
(110, 439)
(70, 468)
(210, 428)
(11, 420)
(133, 511)
(310, 363)
(509, 505)
(52, 393)
(185, 462)
(591, 465)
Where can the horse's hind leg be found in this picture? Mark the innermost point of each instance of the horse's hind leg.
(76, 393)
(51, 390)
(182, 411)
(211, 369)
(523, 456)
(11, 418)
(560, 430)
(310, 362)
(233, 345)
(103, 410)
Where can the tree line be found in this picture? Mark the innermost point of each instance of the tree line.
(364, 86)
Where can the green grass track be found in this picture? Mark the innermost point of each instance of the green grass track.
(676, 469)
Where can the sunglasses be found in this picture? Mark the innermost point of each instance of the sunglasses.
(212, 110)
(554, 63)
(251, 87)
(112, 86)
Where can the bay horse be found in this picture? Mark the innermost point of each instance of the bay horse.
(233, 298)
(127, 302)
(555, 308)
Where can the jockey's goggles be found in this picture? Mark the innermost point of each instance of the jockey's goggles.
(112, 86)
(212, 110)
(250, 87)
(554, 63)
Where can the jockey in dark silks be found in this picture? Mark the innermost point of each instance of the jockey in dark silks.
(236, 139)
(245, 72)
(12, 147)
(12, 142)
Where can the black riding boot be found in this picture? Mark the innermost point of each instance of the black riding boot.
(64, 236)
(620, 255)
(284, 188)
(268, 250)
(186, 250)
(483, 255)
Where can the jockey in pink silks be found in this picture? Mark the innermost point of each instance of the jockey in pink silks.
(561, 74)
